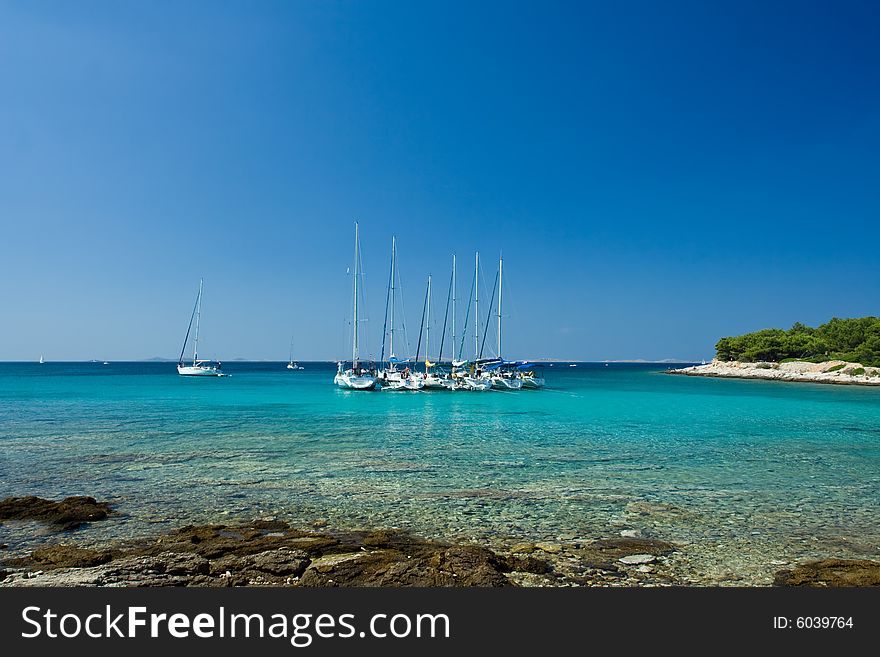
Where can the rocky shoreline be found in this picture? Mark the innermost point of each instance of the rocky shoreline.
(273, 553)
(832, 371)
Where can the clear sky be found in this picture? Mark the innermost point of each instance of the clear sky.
(657, 174)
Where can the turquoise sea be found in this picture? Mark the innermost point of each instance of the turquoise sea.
(746, 475)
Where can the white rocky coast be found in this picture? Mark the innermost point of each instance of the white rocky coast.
(832, 371)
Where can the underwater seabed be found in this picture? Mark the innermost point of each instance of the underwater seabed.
(744, 476)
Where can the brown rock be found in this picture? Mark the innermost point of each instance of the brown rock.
(68, 556)
(427, 565)
(831, 573)
(215, 541)
(283, 562)
(67, 514)
(528, 564)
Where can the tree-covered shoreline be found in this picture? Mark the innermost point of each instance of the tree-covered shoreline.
(855, 340)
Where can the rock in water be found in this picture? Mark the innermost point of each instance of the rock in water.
(69, 513)
(831, 573)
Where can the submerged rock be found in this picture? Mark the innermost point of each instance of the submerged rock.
(831, 573)
(69, 513)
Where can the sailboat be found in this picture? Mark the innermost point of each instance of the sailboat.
(290, 364)
(355, 377)
(41, 359)
(502, 378)
(428, 378)
(465, 375)
(438, 379)
(392, 377)
(198, 367)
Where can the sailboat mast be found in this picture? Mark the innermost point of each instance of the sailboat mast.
(198, 320)
(354, 339)
(428, 328)
(393, 259)
(477, 305)
(453, 308)
(500, 262)
(422, 324)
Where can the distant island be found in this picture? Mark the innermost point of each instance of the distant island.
(843, 351)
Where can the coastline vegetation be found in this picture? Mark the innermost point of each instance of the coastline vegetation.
(855, 340)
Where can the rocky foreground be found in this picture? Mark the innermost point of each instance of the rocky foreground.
(273, 553)
(832, 371)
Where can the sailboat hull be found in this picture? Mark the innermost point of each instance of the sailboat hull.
(410, 384)
(355, 381)
(476, 385)
(532, 382)
(502, 383)
(197, 370)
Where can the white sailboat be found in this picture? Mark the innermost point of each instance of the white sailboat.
(197, 367)
(438, 379)
(503, 378)
(465, 375)
(391, 377)
(355, 377)
(429, 377)
(290, 364)
(41, 359)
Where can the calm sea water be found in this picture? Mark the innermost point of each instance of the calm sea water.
(745, 474)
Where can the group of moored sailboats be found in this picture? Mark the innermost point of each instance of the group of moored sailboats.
(407, 374)
(413, 374)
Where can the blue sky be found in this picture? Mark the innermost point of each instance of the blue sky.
(657, 174)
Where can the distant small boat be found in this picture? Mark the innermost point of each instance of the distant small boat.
(41, 359)
(572, 365)
(106, 363)
(291, 365)
(198, 367)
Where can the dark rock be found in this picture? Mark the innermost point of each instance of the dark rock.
(615, 548)
(283, 562)
(270, 553)
(528, 564)
(391, 538)
(831, 573)
(216, 541)
(3, 574)
(67, 514)
(427, 565)
(68, 556)
(165, 569)
(270, 525)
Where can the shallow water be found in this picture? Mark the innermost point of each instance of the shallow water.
(747, 475)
